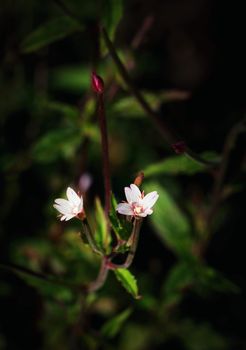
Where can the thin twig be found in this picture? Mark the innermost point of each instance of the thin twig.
(167, 133)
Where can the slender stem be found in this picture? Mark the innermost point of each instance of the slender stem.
(91, 240)
(166, 132)
(105, 151)
(133, 241)
(102, 275)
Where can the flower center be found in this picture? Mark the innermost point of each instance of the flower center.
(137, 209)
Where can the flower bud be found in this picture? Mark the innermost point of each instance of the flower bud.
(179, 147)
(97, 83)
(139, 179)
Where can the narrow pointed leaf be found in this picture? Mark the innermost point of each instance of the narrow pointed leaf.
(102, 235)
(128, 281)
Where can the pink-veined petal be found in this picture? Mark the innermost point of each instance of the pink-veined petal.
(125, 209)
(73, 197)
(150, 199)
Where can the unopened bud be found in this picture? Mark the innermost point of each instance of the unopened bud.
(139, 179)
(97, 83)
(179, 147)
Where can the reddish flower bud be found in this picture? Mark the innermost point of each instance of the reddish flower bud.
(179, 147)
(97, 83)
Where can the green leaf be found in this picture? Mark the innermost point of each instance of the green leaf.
(209, 280)
(128, 107)
(47, 285)
(60, 143)
(178, 164)
(179, 278)
(66, 110)
(74, 78)
(51, 31)
(111, 13)
(111, 328)
(102, 236)
(201, 336)
(201, 278)
(128, 281)
(121, 227)
(170, 222)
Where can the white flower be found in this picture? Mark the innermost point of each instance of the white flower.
(71, 207)
(137, 204)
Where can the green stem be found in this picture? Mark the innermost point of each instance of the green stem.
(91, 240)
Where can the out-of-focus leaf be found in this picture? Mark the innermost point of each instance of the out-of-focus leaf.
(66, 110)
(128, 281)
(112, 11)
(201, 336)
(209, 280)
(47, 286)
(203, 279)
(129, 107)
(60, 143)
(73, 79)
(51, 31)
(111, 328)
(179, 278)
(179, 164)
(170, 223)
(102, 236)
(121, 227)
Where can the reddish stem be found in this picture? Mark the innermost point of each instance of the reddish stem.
(105, 151)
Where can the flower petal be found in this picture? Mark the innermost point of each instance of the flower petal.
(133, 194)
(73, 197)
(69, 216)
(125, 209)
(62, 209)
(150, 199)
(63, 203)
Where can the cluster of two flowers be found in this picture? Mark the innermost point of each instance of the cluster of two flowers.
(137, 205)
